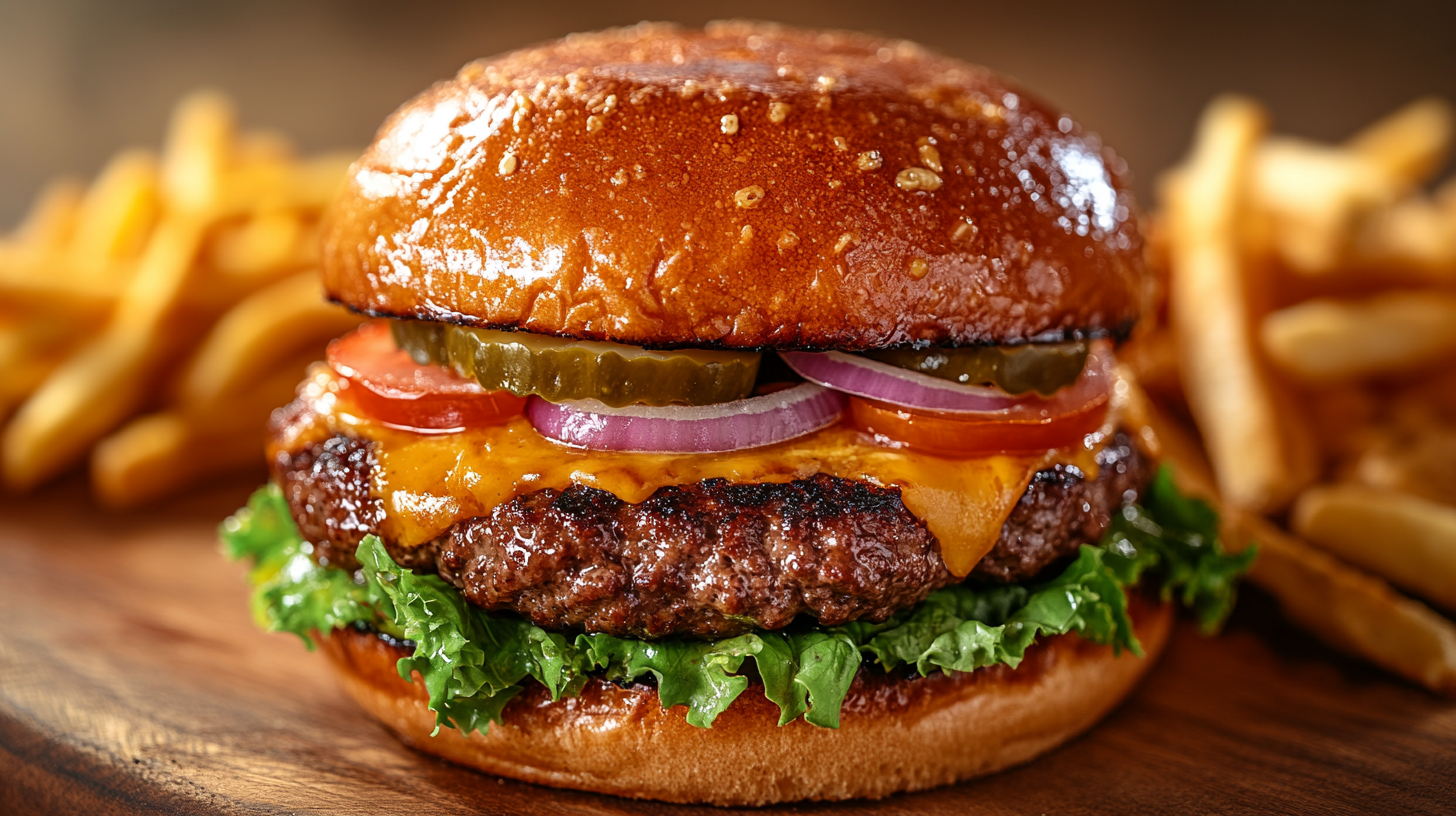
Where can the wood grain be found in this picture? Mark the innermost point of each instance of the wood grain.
(132, 680)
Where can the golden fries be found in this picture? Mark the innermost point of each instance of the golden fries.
(249, 341)
(148, 458)
(1324, 340)
(161, 453)
(199, 141)
(139, 293)
(24, 365)
(1407, 540)
(1350, 610)
(1328, 205)
(28, 259)
(109, 378)
(117, 214)
(1417, 235)
(1409, 145)
(1257, 456)
(1314, 196)
(1319, 249)
(265, 243)
(87, 396)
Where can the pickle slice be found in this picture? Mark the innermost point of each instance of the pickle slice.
(1041, 367)
(559, 369)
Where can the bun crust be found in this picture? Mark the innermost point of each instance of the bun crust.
(895, 734)
(744, 186)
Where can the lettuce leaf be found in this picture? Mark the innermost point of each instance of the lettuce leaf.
(291, 592)
(1177, 536)
(963, 629)
(472, 662)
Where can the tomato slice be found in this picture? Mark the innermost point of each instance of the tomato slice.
(945, 436)
(387, 384)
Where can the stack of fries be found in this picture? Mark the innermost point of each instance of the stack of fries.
(152, 320)
(1310, 336)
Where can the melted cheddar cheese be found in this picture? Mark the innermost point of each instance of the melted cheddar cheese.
(429, 481)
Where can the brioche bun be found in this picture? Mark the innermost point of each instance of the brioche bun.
(896, 734)
(744, 186)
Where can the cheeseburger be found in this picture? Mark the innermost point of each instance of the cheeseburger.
(738, 421)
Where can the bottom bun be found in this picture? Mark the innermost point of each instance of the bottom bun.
(896, 733)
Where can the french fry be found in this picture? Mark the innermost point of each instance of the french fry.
(281, 182)
(25, 363)
(108, 379)
(1314, 195)
(85, 397)
(1418, 234)
(1348, 609)
(1410, 144)
(250, 340)
(195, 158)
(117, 214)
(1167, 440)
(102, 290)
(145, 458)
(161, 453)
(1319, 197)
(92, 245)
(64, 297)
(263, 244)
(317, 180)
(1407, 540)
(1327, 340)
(278, 204)
(21, 380)
(1261, 458)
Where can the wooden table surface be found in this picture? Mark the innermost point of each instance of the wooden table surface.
(132, 680)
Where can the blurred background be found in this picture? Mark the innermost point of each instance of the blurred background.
(81, 78)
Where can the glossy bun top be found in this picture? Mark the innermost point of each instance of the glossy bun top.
(741, 186)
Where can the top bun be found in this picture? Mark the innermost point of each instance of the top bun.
(744, 186)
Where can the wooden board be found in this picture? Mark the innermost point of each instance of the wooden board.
(132, 680)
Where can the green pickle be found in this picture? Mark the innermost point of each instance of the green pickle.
(559, 369)
(1041, 367)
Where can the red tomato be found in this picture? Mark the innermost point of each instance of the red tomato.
(945, 436)
(390, 386)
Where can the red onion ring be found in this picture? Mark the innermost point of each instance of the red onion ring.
(728, 426)
(901, 387)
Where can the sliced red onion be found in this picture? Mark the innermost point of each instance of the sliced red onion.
(875, 380)
(728, 426)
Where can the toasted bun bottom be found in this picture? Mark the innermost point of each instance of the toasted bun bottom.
(896, 734)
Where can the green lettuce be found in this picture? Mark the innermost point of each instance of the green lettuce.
(1178, 537)
(472, 662)
(291, 592)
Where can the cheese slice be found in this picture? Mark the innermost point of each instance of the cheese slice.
(429, 481)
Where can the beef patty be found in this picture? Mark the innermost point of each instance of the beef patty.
(712, 559)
